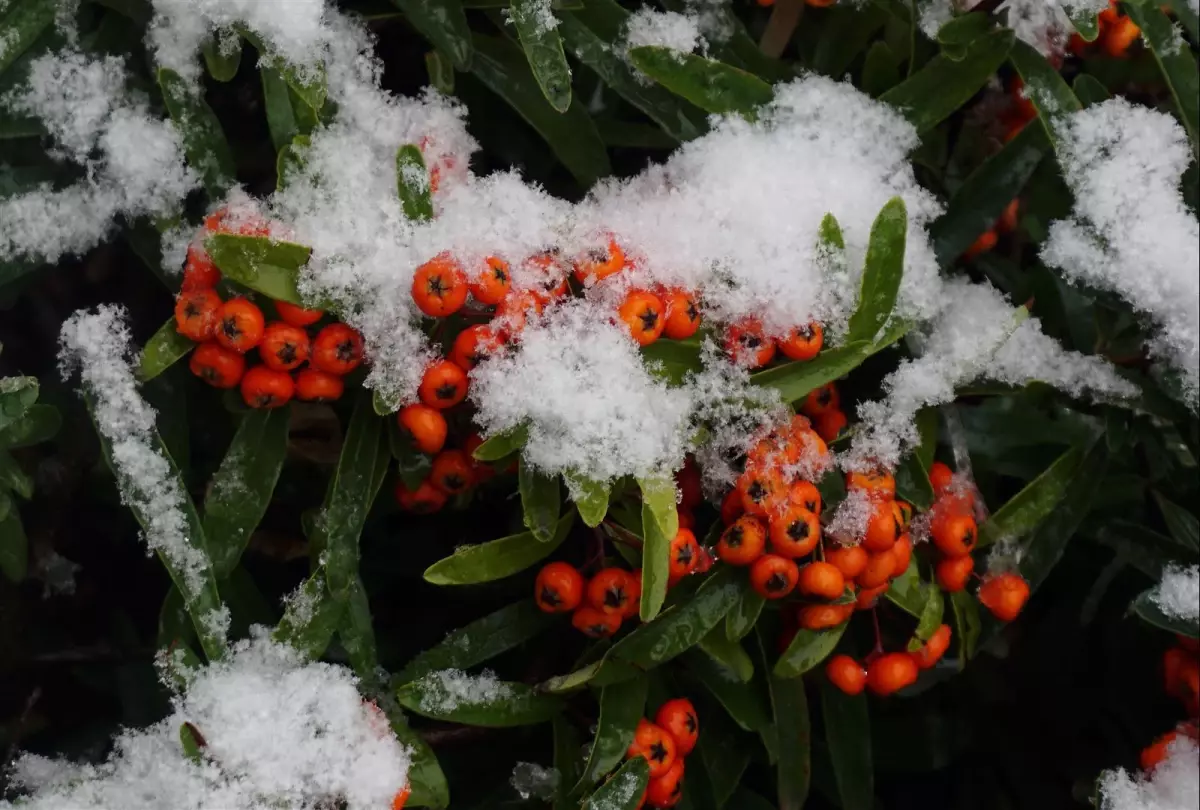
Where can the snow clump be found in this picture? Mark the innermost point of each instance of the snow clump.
(1174, 784)
(1178, 594)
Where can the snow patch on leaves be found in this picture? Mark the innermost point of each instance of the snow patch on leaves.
(445, 690)
(1178, 594)
(666, 29)
(1174, 784)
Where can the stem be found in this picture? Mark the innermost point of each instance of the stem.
(785, 16)
(878, 636)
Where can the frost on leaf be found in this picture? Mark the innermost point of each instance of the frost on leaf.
(448, 689)
(666, 29)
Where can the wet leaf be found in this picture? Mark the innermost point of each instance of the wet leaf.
(444, 24)
(469, 565)
(1146, 608)
(624, 790)
(203, 139)
(590, 498)
(566, 762)
(257, 262)
(543, 48)
(912, 476)
(1176, 61)
(660, 524)
(23, 22)
(540, 502)
(1044, 86)
(222, 59)
(308, 85)
(882, 273)
(712, 86)
(740, 619)
(727, 654)
(509, 704)
(795, 380)
(1089, 90)
(17, 396)
(277, 101)
(412, 184)
(930, 618)
(746, 703)
(808, 649)
(967, 625)
(502, 445)
(164, 348)
(848, 735)
(792, 723)
(956, 35)
(310, 618)
(909, 592)
(1035, 502)
(622, 705)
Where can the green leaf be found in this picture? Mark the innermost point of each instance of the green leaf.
(712, 86)
(566, 761)
(1176, 61)
(660, 524)
(540, 502)
(967, 625)
(17, 396)
(222, 57)
(572, 135)
(502, 445)
(1086, 23)
(441, 72)
(543, 48)
(957, 34)
(794, 769)
(258, 262)
(444, 24)
(1181, 523)
(39, 424)
(6, 505)
(590, 498)
(1188, 18)
(589, 33)
(909, 592)
(881, 69)
(829, 234)
(1029, 507)
(481, 640)
(943, 85)
(486, 562)
(846, 31)
(912, 476)
(291, 161)
(929, 620)
(624, 790)
(429, 788)
(241, 488)
(621, 707)
(507, 704)
(357, 633)
(983, 196)
(412, 184)
(22, 24)
(745, 702)
(281, 117)
(1145, 607)
(882, 273)
(164, 348)
(192, 742)
(745, 612)
(1089, 90)
(1044, 86)
(307, 84)
(203, 140)
(14, 548)
(310, 618)
(808, 649)
(13, 477)
(728, 654)
(673, 359)
(795, 380)
(848, 735)
(681, 626)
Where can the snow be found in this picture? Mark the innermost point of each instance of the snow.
(445, 690)
(1130, 231)
(1178, 594)
(666, 29)
(530, 779)
(536, 11)
(279, 732)
(1173, 785)
(97, 345)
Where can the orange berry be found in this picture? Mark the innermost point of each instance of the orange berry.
(558, 588)
(401, 798)
(1174, 661)
(772, 576)
(297, 316)
(425, 426)
(1004, 595)
(512, 312)
(666, 790)
(954, 535)
(850, 560)
(830, 424)
(217, 366)
(196, 314)
(878, 571)
(656, 745)
(891, 672)
(822, 617)
(803, 493)
(878, 484)
(1192, 645)
(685, 553)
(1153, 755)
(609, 591)
(795, 533)
(240, 325)
(846, 674)
(822, 580)
(283, 347)
(473, 345)
(553, 280)
(337, 349)
(1120, 36)
(690, 485)
(763, 490)
(599, 264)
(443, 386)
(881, 527)
(678, 718)
(743, 541)
(867, 597)
(820, 400)
(493, 283)
(244, 223)
(424, 500)
(643, 313)
(1008, 219)
(266, 388)
(595, 623)
(902, 551)
(199, 271)
(452, 472)
(731, 507)
(988, 239)
(318, 386)
(932, 650)
(439, 287)
(953, 573)
(747, 345)
(802, 343)
(682, 318)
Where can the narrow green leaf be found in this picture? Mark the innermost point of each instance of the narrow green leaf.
(1187, 16)
(673, 359)
(1044, 86)
(680, 626)
(881, 69)
(441, 72)
(1181, 523)
(308, 84)
(1089, 90)
(1086, 23)
(222, 56)
(929, 620)
(203, 140)
(22, 23)
(566, 761)
(540, 502)
(1146, 608)
(846, 31)
(281, 118)
(912, 476)
(622, 705)
(502, 445)
(882, 273)
(1176, 61)
(808, 649)
(745, 612)
(625, 789)
(795, 380)
(572, 135)
(957, 34)
(481, 640)
(241, 488)
(192, 742)
(441, 696)
(429, 788)
(444, 24)
(357, 633)
(712, 86)
(6, 505)
(660, 524)
(14, 548)
(257, 262)
(792, 723)
(909, 592)
(17, 396)
(486, 562)
(412, 184)
(848, 735)
(830, 235)
(311, 617)
(543, 48)
(291, 161)
(943, 85)
(727, 654)
(967, 625)
(39, 424)
(164, 348)
(746, 703)
(590, 498)
(12, 477)
(1035, 502)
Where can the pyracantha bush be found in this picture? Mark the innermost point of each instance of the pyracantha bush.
(712, 362)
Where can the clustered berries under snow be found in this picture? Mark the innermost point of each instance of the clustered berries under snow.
(134, 163)
(1131, 232)
(278, 732)
(97, 345)
(1178, 594)
(1174, 784)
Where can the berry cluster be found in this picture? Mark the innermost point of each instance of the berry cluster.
(1181, 680)
(665, 744)
(597, 606)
